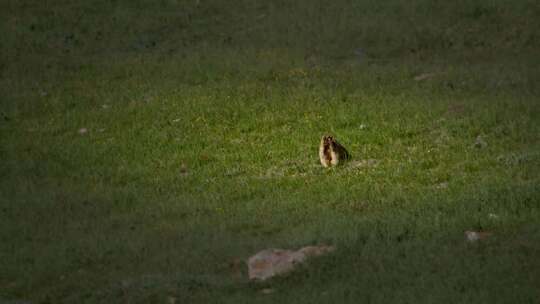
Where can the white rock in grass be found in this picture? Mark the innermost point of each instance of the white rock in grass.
(271, 262)
(473, 236)
(83, 131)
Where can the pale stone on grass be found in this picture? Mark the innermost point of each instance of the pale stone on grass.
(271, 262)
(473, 236)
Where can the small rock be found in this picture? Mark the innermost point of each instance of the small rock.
(83, 131)
(493, 216)
(473, 236)
(271, 262)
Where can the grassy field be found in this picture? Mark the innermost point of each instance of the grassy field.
(146, 147)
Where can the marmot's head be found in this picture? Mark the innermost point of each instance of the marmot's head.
(327, 140)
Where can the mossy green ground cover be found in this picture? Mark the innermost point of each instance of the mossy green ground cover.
(147, 147)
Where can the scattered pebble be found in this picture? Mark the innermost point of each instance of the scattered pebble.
(83, 131)
(271, 262)
(473, 236)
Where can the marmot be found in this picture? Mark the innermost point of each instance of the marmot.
(331, 152)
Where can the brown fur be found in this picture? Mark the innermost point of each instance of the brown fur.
(331, 153)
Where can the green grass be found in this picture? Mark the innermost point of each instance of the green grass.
(203, 123)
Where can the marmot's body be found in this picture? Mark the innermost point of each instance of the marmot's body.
(331, 152)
